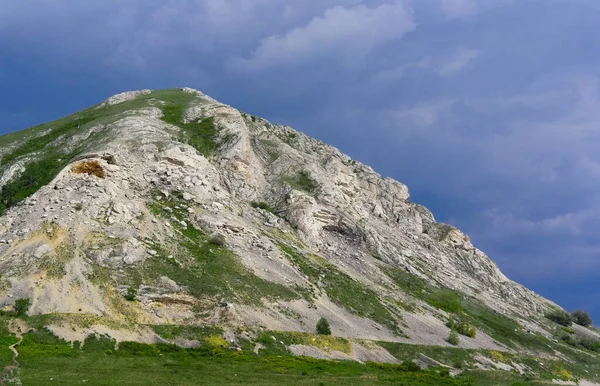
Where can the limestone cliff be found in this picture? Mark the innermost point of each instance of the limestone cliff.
(205, 214)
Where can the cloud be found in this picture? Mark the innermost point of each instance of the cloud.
(419, 116)
(459, 9)
(341, 33)
(492, 124)
(461, 59)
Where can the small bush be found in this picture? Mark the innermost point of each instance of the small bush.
(131, 294)
(569, 339)
(472, 332)
(561, 317)
(323, 327)
(590, 344)
(453, 337)
(410, 366)
(262, 205)
(582, 318)
(302, 181)
(21, 306)
(217, 240)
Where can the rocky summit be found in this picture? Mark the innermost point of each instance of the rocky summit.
(156, 213)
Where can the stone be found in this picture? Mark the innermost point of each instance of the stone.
(351, 217)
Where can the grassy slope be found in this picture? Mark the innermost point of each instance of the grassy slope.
(45, 359)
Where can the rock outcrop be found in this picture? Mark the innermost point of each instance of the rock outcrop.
(302, 220)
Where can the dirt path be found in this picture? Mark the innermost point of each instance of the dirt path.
(9, 373)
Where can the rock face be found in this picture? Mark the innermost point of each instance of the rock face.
(302, 230)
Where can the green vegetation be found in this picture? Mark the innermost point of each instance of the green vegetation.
(470, 310)
(441, 298)
(302, 181)
(446, 300)
(453, 337)
(137, 364)
(217, 240)
(46, 360)
(561, 317)
(21, 307)
(277, 342)
(36, 174)
(131, 294)
(323, 327)
(538, 371)
(462, 326)
(204, 264)
(582, 318)
(568, 330)
(49, 147)
(262, 205)
(170, 331)
(341, 288)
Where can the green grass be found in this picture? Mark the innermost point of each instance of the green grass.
(37, 173)
(262, 205)
(578, 364)
(341, 288)
(49, 361)
(301, 181)
(200, 135)
(498, 326)
(97, 361)
(441, 298)
(169, 331)
(204, 268)
(6, 339)
(450, 356)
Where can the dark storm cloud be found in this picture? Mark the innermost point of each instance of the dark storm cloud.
(488, 110)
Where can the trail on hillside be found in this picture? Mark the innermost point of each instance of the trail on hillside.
(10, 372)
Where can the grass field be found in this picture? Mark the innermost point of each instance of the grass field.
(46, 360)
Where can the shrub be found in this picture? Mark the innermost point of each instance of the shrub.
(569, 339)
(561, 317)
(323, 327)
(582, 318)
(410, 366)
(472, 332)
(453, 337)
(262, 205)
(590, 344)
(21, 306)
(131, 294)
(461, 326)
(302, 181)
(217, 240)
(568, 330)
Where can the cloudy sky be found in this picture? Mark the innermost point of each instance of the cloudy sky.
(489, 110)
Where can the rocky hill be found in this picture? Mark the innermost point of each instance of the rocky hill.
(168, 208)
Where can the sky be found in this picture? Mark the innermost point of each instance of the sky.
(489, 110)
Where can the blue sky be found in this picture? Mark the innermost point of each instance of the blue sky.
(489, 110)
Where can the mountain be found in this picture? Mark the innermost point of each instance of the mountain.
(163, 211)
